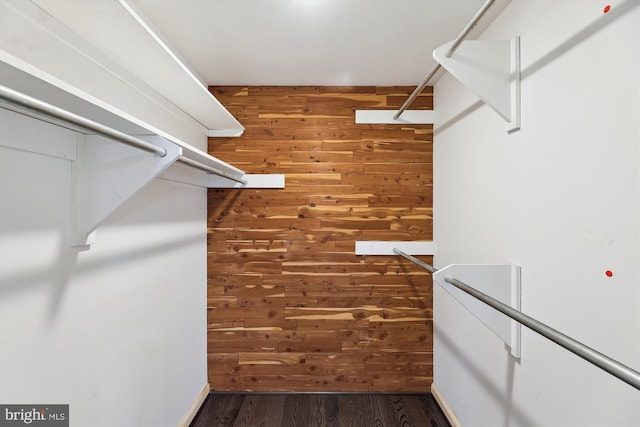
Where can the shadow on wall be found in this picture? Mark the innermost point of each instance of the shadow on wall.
(218, 212)
(505, 401)
(410, 279)
(58, 273)
(580, 37)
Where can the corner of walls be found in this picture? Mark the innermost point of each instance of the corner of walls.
(444, 405)
(195, 407)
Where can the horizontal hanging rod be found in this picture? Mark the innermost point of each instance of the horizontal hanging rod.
(465, 32)
(452, 49)
(415, 260)
(612, 366)
(209, 169)
(417, 91)
(25, 101)
(33, 104)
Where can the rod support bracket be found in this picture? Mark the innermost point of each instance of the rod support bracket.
(491, 69)
(105, 175)
(502, 282)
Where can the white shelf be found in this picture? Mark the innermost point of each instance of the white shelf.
(416, 117)
(375, 247)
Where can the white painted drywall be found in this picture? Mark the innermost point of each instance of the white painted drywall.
(561, 199)
(119, 331)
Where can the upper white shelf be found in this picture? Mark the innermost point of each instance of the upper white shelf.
(160, 67)
(92, 51)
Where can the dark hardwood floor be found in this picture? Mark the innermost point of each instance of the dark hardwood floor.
(306, 410)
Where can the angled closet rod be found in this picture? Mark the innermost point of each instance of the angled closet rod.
(33, 104)
(602, 361)
(485, 7)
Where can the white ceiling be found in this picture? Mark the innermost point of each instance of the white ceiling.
(236, 42)
(310, 42)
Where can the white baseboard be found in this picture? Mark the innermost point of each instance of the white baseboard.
(448, 412)
(193, 410)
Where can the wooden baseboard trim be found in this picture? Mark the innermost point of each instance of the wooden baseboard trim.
(448, 412)
(193, 410)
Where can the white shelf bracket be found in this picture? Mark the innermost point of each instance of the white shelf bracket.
(491, 69)
(501, 282)
(105, 174)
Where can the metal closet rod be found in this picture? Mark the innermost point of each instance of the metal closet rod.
(34, 104)
(604, 362)
(211, 170)
(452, 49)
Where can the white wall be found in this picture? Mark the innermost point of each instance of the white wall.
(118, 331)
(561, 199)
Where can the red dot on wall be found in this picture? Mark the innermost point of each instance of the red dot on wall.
(607, 8)
(609, 273)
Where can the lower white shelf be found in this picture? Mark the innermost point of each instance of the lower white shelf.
(375, 247)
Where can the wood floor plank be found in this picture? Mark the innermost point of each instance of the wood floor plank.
(320, 410)
(246, 410)
(431, 408)
(332, 410)
(267, 412)
(218, 411)
(397, 404)
(306, 410)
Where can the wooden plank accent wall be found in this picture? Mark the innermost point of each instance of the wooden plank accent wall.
(290, 306)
